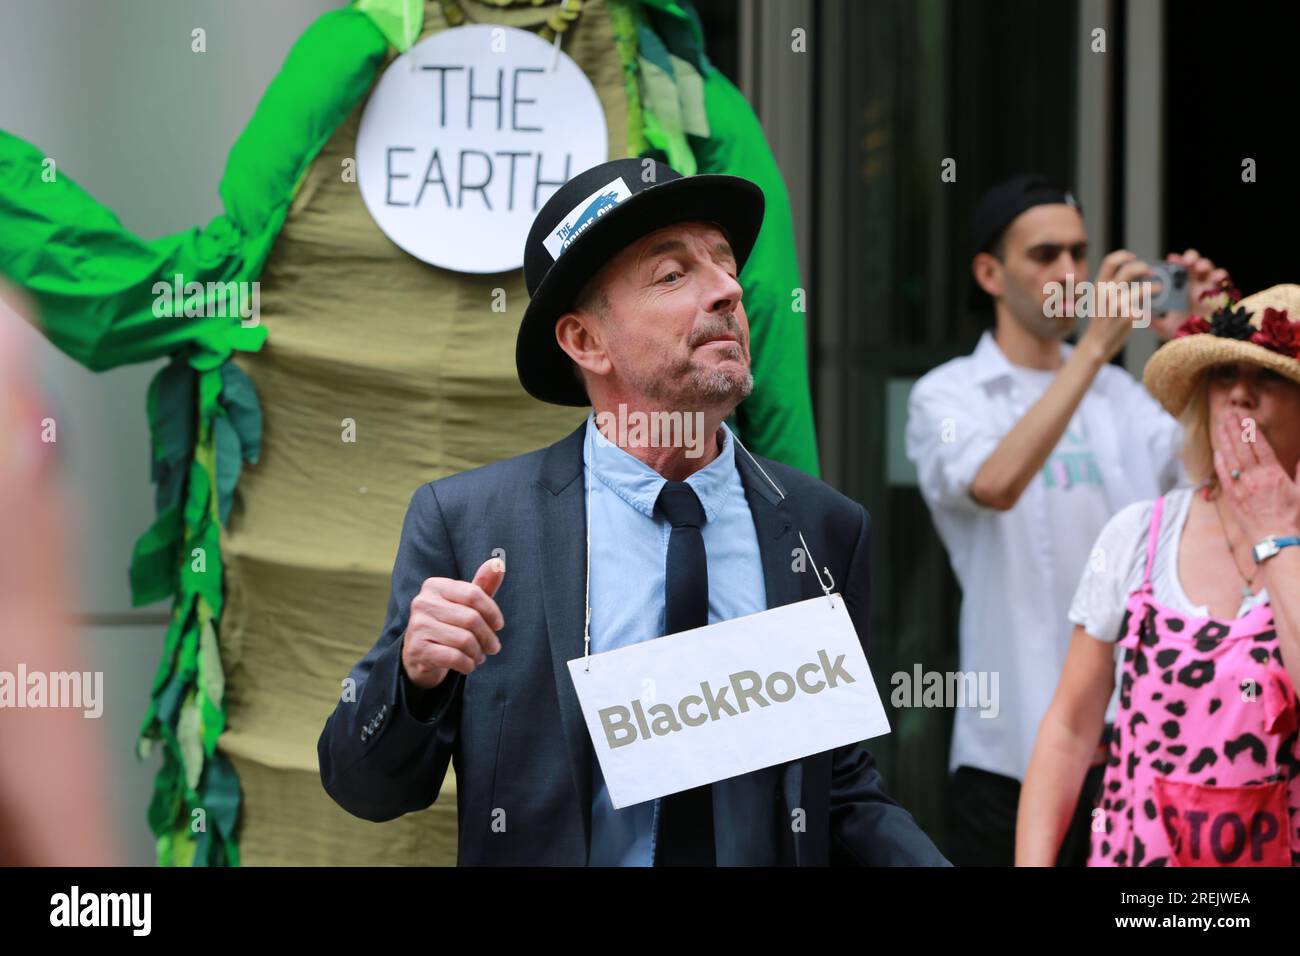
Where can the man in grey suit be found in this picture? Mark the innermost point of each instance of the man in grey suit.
(636, 309)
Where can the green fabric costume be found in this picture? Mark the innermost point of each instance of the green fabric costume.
(381, 373)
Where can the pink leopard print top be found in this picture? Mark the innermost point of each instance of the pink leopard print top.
(1203, 767)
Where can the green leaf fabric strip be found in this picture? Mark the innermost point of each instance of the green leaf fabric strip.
(679, 28)
(400, 21)
(239, 399)
(652, 49)
(212, 681)
(153, 560)
(221, 796)
(190, 736)
(690, 97)
(623, 24)
(228, 464)
(170, 406)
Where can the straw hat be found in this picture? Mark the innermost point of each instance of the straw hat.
(1258, 330)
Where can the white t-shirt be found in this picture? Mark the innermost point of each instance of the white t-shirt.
(1119, 558)
(1074, 497)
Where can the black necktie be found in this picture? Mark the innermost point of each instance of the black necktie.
(685, 818)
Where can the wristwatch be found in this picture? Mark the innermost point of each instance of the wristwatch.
(1272, 545)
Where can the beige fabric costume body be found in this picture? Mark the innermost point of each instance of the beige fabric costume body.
(418, 360)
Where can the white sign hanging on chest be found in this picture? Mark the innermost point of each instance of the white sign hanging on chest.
(715, 702)
(465, 137)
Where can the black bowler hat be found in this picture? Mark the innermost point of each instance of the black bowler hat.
(588, 221)
(997, 209)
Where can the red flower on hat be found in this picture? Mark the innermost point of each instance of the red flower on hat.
(1277, 334)
(1229, 293)
(1194, 325)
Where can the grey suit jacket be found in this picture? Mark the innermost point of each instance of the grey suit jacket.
(513, 729)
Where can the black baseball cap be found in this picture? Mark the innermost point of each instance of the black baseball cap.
(997, 209)
(588, 221)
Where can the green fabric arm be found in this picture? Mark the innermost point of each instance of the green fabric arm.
(328, 71)
(94, 280)
(776, 420)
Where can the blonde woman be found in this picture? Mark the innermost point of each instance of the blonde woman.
(1197, 595)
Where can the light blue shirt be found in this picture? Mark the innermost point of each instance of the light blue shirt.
(629, 548)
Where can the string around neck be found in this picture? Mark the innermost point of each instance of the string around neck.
(826, 588)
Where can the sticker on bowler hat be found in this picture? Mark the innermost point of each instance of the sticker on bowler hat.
(581, 216)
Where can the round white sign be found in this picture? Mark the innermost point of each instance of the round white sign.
(467, 135)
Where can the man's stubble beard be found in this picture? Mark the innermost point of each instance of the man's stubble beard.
(1028, 311)
(685, 385)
